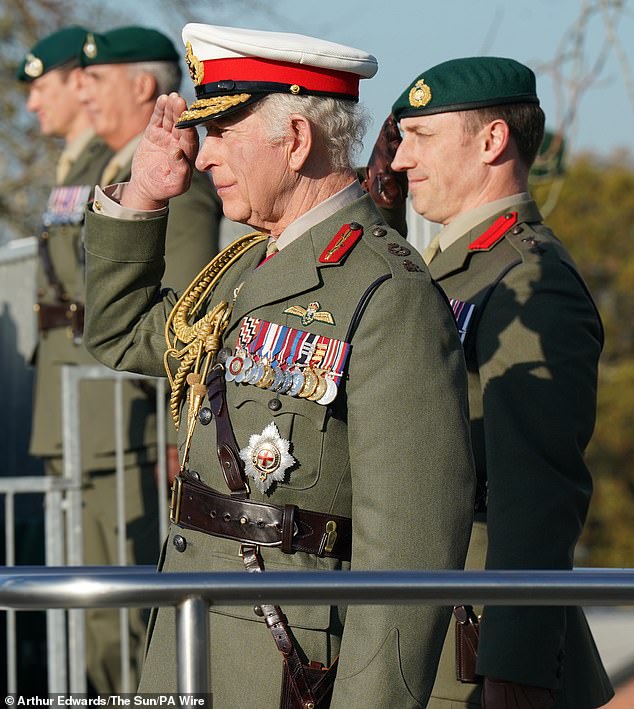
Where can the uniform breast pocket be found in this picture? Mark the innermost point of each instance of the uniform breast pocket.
(301, 422)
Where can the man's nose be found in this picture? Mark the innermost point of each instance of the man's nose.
(206, 159)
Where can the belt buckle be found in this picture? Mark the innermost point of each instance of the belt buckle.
(175, 504)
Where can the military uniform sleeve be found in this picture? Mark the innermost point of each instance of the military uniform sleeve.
(126, 310)
(538, 345)
(412, 485)
(193, 232)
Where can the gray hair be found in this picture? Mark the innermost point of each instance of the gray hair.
(167, 75)
(341, 124)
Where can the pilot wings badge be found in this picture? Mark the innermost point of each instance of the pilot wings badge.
(311, 313)
(267, 458)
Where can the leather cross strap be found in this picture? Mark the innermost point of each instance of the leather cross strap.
(277, 624)
(198, 507)
(226, 445)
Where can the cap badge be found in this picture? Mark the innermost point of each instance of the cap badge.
(90, 46)
(33, 66)
(311, 313)
(420, 94)
(267, 458)
(196, 67)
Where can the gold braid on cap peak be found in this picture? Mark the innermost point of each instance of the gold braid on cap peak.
(209, 106)
(201, 339)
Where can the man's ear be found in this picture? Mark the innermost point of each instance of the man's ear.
(75, 77)
(302, 141)
(496, 136)
(144, 87)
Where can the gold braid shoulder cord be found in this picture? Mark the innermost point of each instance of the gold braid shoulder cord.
(196, 344)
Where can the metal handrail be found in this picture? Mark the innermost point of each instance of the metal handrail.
(192, 594)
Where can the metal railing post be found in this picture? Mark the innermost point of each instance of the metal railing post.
(192, 640)
(71, 431)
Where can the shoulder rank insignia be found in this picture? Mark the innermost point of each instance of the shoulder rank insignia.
(311, 313)
(341, 243)
(494, 233)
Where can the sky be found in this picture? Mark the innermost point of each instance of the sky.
(410, 36)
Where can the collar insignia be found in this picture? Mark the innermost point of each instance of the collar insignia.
(420, 94)
(311, 313)
(341, 243)
(494, 233)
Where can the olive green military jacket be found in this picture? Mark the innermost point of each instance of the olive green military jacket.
(193, 229)
(392, 451)
(532, 345)
(62, 240)
(192, 240)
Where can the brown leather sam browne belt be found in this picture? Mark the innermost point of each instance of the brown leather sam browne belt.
(198, 507)
(51, 316)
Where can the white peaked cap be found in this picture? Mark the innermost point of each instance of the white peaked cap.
(232, 67)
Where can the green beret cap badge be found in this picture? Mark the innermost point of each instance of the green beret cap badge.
(467, 83)
(420, 94)
(90, 46)
(33, 66)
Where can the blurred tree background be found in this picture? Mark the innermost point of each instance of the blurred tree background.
(587, 199)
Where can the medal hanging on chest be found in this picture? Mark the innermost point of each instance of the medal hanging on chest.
(286, 360)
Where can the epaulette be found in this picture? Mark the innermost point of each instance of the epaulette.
(341, 243)
(494, 233)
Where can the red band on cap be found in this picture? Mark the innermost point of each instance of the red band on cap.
(308, 77)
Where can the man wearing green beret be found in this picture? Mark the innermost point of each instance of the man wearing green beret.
(126, 69)
(53, 71)
(532, 338)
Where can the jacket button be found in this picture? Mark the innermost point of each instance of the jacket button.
(180, 543)
(224, 355)
(205, 415)
(517, 230)
(379, 231)
(275, 404)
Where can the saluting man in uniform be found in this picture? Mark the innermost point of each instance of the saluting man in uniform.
(532, 337)
(317, 375)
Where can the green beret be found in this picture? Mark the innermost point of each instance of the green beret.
(464, 84)
(52, 51)
(126, 45)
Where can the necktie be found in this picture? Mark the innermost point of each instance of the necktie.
(63, 166)
(109, 172)
(271, 247)
(431, 249)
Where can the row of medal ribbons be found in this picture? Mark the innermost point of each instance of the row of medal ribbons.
(286, 360)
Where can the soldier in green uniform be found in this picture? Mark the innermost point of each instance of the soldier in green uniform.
(126, 69)
(52, 69)
(532, 337)
(326, 423)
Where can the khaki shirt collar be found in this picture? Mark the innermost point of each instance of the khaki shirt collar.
(320, 213)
